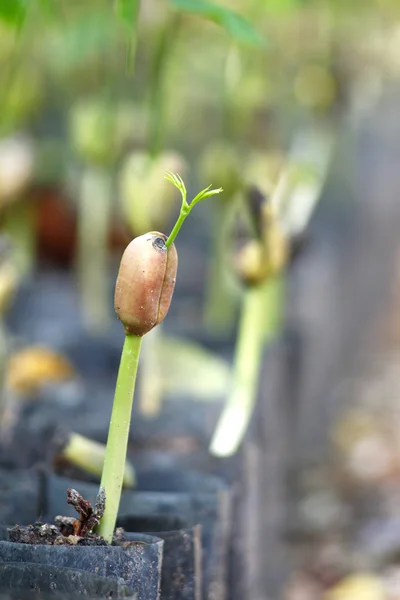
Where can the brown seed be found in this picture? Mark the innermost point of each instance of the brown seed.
(145, 283)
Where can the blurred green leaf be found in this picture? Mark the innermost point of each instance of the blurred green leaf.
(13, 12)
(84, 38)
(127, 11)
(284, 6)
(50, 8)
(190, 370)
(234, 24)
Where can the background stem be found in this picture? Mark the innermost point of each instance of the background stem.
(177, 226)
(220, 302)
(19, 224)
(158, 93)
(94, 214)
(255, 329)
(118, 433)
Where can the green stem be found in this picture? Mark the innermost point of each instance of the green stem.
(185, 210)
(4, 349)
(132, 37)
(252, 336)
(117, 442)
(95, 206)
(220, 301)
(231, 81)
(19, 224)
(166, 41)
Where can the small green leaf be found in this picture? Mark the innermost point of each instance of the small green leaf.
(237, 27)
(127, 11)
(206, 193)
(177, 181)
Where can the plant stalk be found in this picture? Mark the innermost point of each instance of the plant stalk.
(220, 302)
(94, 216)
(158, 92)
(258, 324)
(4, 350)
(232, 78)
(118, 433)
(19, 224)
(182, 216)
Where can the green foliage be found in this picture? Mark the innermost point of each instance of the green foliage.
(237, 27)
(12, 12)
(50, 9)
(127, 11)
(84, 38)
(285, 6)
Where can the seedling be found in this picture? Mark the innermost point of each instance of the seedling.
(98, 132)
(143, 294)
(262, 264)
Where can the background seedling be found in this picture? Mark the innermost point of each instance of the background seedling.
(98, 131)
(288, 213)
(89, 455)
(260, 319)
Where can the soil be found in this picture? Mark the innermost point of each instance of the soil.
(68, 531)
(60, 534)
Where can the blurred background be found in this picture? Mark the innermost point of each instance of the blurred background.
(287, 298)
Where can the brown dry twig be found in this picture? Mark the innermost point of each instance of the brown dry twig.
(89, 517)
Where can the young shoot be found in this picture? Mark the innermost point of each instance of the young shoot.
(177, 181)
(143, 293)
